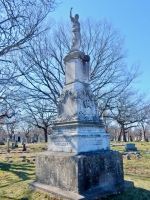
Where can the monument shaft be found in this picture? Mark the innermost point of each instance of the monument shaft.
(78, 127)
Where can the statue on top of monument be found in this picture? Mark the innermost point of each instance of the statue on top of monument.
(76, 36)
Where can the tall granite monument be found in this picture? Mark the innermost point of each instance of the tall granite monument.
(79, 163)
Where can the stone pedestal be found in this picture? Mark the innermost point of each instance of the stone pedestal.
(80, 176)
(80, 173)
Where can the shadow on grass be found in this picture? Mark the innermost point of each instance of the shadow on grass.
(132, 194)
(18, 169)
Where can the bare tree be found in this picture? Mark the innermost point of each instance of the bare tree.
(144, 121)
(125, 109)
(41, 68)
(2, 133)
(40, 114)
(20, 21)
(113, 130)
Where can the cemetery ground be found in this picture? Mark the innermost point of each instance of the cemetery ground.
(17, 169)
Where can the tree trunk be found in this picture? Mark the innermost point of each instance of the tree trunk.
(119, 135)
(45, 134)
(130, 138)
(143, 135)
(124, 133)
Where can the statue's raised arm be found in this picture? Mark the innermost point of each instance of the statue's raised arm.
(76, 36)
(71, 14)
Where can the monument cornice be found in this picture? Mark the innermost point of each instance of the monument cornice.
(77, 54)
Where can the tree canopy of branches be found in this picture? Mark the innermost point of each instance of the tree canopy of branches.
(126, 110)
(43, 69)
(20, 21)
(40, 70)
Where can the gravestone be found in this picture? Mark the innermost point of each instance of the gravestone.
(16, 143)
(8, 147)
(13, 145)
(79, 163)
(2, 142)
(130, 146)
(24, 147)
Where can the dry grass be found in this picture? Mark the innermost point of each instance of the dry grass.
(136, 170)
(15, 174)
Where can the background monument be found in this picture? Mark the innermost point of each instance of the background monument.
(79, 163)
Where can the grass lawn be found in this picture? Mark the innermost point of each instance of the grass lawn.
(15, 174)
(136, 170)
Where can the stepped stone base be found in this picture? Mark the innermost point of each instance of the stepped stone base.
(67, 195)
(79, 176)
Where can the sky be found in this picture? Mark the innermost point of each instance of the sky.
(130, 17)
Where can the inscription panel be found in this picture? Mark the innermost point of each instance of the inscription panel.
(65, 142)
(78, 143)
(60, 142)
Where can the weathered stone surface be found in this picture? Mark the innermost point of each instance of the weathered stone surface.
(78, 163)
(78, 137)
(78, 127)
(77, 54)
(82, 173)
(77, 70)
(77, 101)
(68, 195)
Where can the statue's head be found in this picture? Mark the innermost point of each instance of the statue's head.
(76, 16)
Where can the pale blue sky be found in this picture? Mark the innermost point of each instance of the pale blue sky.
(130, 17)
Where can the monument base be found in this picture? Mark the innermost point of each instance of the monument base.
(79, 176)
(67, 195)
(78, 136)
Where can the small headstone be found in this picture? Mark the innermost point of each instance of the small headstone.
(2, 142)
(128, 157)
(8, 150)
(24, 147)
(7, 157)
(13, 151)
(16, 144)
(13, 145)
(32, 156)
(130, 146)
(21, 156)
(19, 151)
(137, 156)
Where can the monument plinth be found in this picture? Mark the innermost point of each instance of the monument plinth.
(78, 163)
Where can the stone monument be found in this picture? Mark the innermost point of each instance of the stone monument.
(79, 163)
